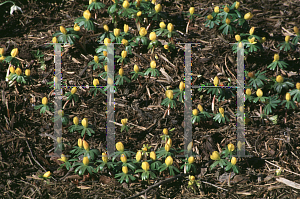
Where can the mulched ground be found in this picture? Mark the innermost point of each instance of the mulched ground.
(25, 148)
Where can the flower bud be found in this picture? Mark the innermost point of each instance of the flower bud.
(27, 72)
(18, 71)
(279, 79)
(47, 174)
(91, 1)
(230, 147)
(85, 123)
(138, 156)
(138, 3)
(165, 131)
(288, 97)
(237, 5)
(216, 81)
(85, 161)
(195, 112)
(169, 94)
(153, 64)
(169, 142)
(125, 169)
(124, 54)
(124, 42)
(217, 9)
(248, 16)
(152, 36)
(136, 68)
(210, 17)
(215, 155)
(96, 59)
(12, 69)
(162, 25)
(86, 145)
(263, 39)
(105, 68)
(298, 86)
(221, 110)
(296, 30)
(95, 82)
(153, 1)
(145, 166)
(14, 52)
(169, 161)
(248, 91)
(117, 32)
(73, 90)
(54, 40)
(126, 28)
(143, 31)
(124, 121)
(120, 147)
(181, 86)
(104, 157)
(259, 93)
(63, 30)
(190, 146)
(126, 4)
(107, 41)
(192, 178)
(200, 108)
(76, 27)
(287, 39)
(2, 51)
(105, 53)
(110, 81)
(276, 57)
(166, 46)
(170, 27)
(167, 147)
(237, 37)
(76, 121)
(63, 158)
(80, 143)
(158, 8)
(226, 9)
(139, 13)
(252, 40)
(233, 160)
(191, 160)
(251, 30)
(227, 21)
(123, 158)
(152, 155)
(44, 101)
(251, 74)
(106, 28)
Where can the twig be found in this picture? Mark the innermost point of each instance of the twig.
(32, 185)
(288, 183)
(214, 185)
(281, 167)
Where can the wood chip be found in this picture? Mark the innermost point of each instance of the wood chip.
(288, 182)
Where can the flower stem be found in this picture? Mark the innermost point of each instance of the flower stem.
(187, 27)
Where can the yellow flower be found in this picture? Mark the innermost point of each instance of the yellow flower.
(169, 142)
(181, 86)
(251, 30)
(145, 149)
(165, 131)
(237, 37)
(107, 41)
(91, 1)
(248, 91)
(63, 30)
(85, 123)
(86, 145)
(233, 160)
(110, 81)
(237, 5)
(227, 21)
(192, 10)
(296, 30)
(124, 54)
(145, 166)
(195, 112)
(76, 27)
(153, 64)
(63, 158)
(2, 58)
(14, 52)
(200, 108)
(287, 39)
(87, 15)
(125, 169)
(252, 40)
(230, 147)
(192, 178)
(138, 156)
(170, 27)
(210, 17)
(123, 158)
(259, 93)
(80, 143)
(95, 82)
(226, 9)
(47, 174)
(216, 81)
(139, 14)
(86, 161)
(276, 57)
(169, 94)
(152, 36)
(279, 79)
(215, 155)
(120, 146)
(106, 28)
(298, 86)
(263, 39)
(18, 71)
(138, 3)
(240, 45)
(217, 9)
(153, 1)
(152, 155)
(169, 161)
(124, 42)
(124, 121)
(105, 68)
(2, 51)
(27, 72)
(96, 59)
(166, 46)
(158, 8)
(44, 101)
(288, 97)
(248, 16)
(167, 147)
(104, 157)
(121, 72)
(143, 31)
(117, 32)
(136, 68)
(190, 146)
(73, 90)
(105, 53)
(221, 110)
(162, 25)
(54, 40)
(76, 121)
(191, 160)
(126, 28)
(126, 4)
(12, 69)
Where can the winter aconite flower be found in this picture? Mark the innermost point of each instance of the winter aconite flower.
(85, 161)
(44, 101)
(210, 17)
(84, 122)
(237, 38)
(145, 166)
(226, 9)
(124, 121)
(227, 21)
(169, 161)
(124, 42)
(63, 158)
(216, 81)
(167, 147)
(152, 155)
(169, 94)
(288, 97)
(47, 174)
(143, 32)
(2, 51)
(217, 9)
(139, 13)
(170, 27)
(18, 71)
(73, 90)
(105, 27)
(107, 41)
(162, 25)
(276, 57)
(14, 52)
(76, 120)
(279, 79)
(117, 32)
(76, 27)
(138, 156)
(221, 110)
(287, 39)
(181, 86)
(230, 147)
(96, 59)
(215, 155)
(251, 30)
(86, 145)
(237, 5)
(158, 8)
(54, 40)
(192, 10)
(248, 16)
(123, 158)
(191, 160)
(259, 93)
(153, 64)
(126, 28)
(125, 169)
(120, 146)
(104, 157)
(233, 160)
(63, 30)
(152, 36)
(248, 91)
(125, 4)
(195, 112)
(80, 143)
(96, 82)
